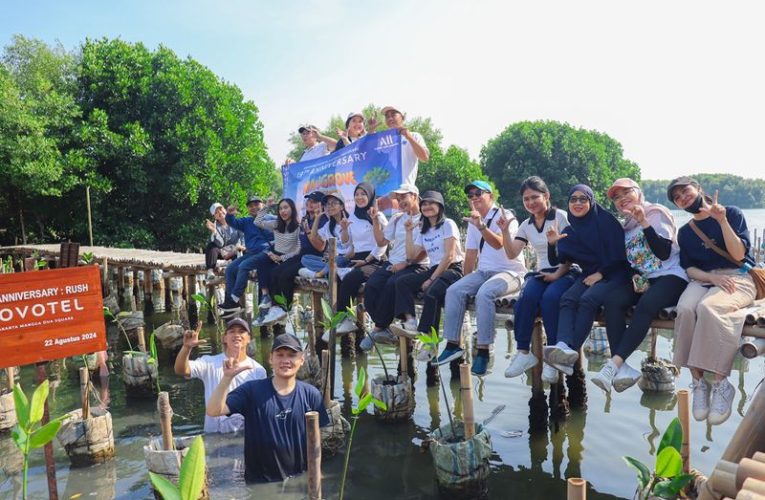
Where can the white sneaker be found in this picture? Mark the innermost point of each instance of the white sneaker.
(210, 274)
(402, 332)
(346, 326)
(605, 376)
(275, 314)
(626, 377)
(410, 324)
(521, 362)
(560, 354)
(700, 389)
(265, 303)
(304, 272)
(342, 272)
(550, 374)
(721, 402)
(385, 336)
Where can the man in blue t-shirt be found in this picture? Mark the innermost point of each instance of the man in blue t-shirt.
(274, 412)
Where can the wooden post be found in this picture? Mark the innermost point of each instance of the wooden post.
(326, 369)
(537, 341)
(105, 277)
(402, 343)
(50, 463)
(466, 391)
(314, 455)
(166, 420)
(168, 294)
(148, 292)
(332, 278)
(577, 489)
(141, 339)
(9, 372)
(318, 316)
(90, 216)
(190, 302)
(685, 421)
(654, 336)
(84, 393)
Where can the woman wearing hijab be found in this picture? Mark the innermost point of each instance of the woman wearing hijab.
(368, 255)
(650, 238)
(709, 314)
(594, 240)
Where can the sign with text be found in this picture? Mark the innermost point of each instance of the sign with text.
(53, 314)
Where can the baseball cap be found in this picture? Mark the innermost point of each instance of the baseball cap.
(214, 207)
(482, 185)
(287, 340)
(406, 188)
(254, 198)
(306, 127)
(624, 182)
(240, 322)
(333, 194)
(680, 182)
(390, 108)
(433, 196)
(351, 115)
(314, 196)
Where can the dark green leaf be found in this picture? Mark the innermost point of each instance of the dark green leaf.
(37, 406)
(670, 488)
(192, 477)
(19, 436)
(279, 299)
(22, 406)
(326, 309)
(199, 298)
(673, 436)
(166, 489)
(360, 382)
(644, 475)
(44, 434)
(669, 463)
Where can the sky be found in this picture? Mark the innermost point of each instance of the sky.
(677, 83)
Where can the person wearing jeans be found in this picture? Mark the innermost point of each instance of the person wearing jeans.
(494, 276)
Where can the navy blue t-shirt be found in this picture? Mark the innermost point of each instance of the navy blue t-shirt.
(305, 244)
(693, 252)
(274, 428)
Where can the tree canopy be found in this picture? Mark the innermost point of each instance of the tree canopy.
(733, 190)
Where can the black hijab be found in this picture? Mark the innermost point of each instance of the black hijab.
(363, 212)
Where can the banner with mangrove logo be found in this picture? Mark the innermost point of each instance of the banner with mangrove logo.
(375, 158)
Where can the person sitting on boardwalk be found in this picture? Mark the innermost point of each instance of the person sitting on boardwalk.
(209, 369)
(315, 266)
(256, 242)
(595, 241)
(413, 147)
(650, 238)
(274, 412)
(715, 252)
(439, 239)
(543, 288)
(224, 242)
(494, 276)
(286, 245)
(380, 290)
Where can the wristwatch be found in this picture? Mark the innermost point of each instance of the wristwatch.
(482, 226)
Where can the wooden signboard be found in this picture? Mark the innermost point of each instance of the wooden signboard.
(51, 314)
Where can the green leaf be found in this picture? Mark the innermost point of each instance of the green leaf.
(380, 404)
(280, 299)
(360, 382)
(669, 463)
(192, 476)
(37, 406)
(673, 436)
(199, 298)
(153, 347)
(22, 406)
(44, 434)
(168, 490)
(19, 436)
(108, 313)
(338, 318)
(326, 309)
(363, 403)
(644, 475)
(670, 488)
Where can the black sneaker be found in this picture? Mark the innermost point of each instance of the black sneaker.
(229, 306)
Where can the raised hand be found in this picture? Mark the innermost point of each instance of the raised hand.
(231, 209)
(638, 213)
(553, 236)
(372, 124)
(503, 222)
(342, 134)
(474, 217)
(210, 225)
(716, 211)
(344, 223)
(232, 367)
(409, 225)
(191, 337)
(373, 211)
(288, 161)
(403, 131)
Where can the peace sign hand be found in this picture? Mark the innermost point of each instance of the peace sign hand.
(232, 368)
(191, 337)
(503, 222)
(638, 213)
(373, 211)
(409, 225)
(716, 211)
(474, 217)
(553, 236)
(344, 223)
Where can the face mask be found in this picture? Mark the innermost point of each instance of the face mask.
(694, 207)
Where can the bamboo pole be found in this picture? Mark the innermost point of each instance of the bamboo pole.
(332, 278)
(9, 372)
(654, 337)
(314, 455)
(750, 434)
(84, 393)
(467, 400)
(576, 489)
(755, 489)
(325, 366)
(105, 276)
(90, 216)
(749, 468)
(402, 341)
(752, 347)
(166, 420)
(685, 423)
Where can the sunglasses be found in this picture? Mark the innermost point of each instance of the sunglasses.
(578, 199)
(475, 193)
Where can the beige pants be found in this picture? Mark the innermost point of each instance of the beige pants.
(709, 323)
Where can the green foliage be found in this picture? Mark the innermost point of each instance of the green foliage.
(667, 479)
(733, 190)
(191, 479)
(154, 356)
(331, 319)
(557, 152)
(449, 172)
(88, 258)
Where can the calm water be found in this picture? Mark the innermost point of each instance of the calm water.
(387, 461)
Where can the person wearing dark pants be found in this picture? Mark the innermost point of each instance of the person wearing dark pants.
(409, 286)
(650, 237)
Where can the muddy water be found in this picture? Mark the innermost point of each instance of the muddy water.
(387, 460)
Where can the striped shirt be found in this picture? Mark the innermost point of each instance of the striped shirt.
(286, 244)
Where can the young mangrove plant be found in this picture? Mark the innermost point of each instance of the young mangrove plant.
(352, 314)
(331, 319)
(154, 357)
(430, 342)
(667, 479)
(209, 305)
(87, 258)
(28, 433)
(282, 301)
(364, 401)
(114, 319)
(191, 479)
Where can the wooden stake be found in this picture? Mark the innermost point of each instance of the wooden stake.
(84, 393)
(332, 278)
(141, 339)
(90, 216)
(754, 487)
(404, 361)
(685, 422)
(466, 391)
(9, 372)
(190, 302)
(50, 463)
(325, 376)
(749, 468)
(537, 341)
(166, 420)
(577, 489)
(314, 455)
(105, 277)
(654, 336)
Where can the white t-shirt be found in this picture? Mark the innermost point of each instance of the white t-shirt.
(317, 151)
(395, 232)
(494, 259)
(409, 161)
(209, 369)
(433, 242)
(363, 236)
(530, 234)
(642, 258)
(342, 248)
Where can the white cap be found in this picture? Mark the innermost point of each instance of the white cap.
(214, 207)
(407, 188)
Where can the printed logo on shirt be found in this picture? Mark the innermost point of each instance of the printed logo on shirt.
(282, 415)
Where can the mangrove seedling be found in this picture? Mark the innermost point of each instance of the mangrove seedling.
(8, 265)
(282, 301)
(667, 479)
(363, 402)
(87, 258)
(191, 479)
(209, 304)
(154, 356)
(431, 341)
(331, 319)
(115, 319)
(28, 432)
(352, 314)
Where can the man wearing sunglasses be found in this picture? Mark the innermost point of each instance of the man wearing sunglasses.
(494, 276)
(316, 144)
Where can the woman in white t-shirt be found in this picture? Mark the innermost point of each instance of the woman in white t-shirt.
(543, 288)
(440, 239)
(315, 266)
(650, 238)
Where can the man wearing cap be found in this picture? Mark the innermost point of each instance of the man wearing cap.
(316, 144)
(413, 147)
(380, 290)
(256, 241)
(274, 412)
(494, 276)
(224, 242)
(209, 369)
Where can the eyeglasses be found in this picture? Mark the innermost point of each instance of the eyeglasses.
(475, 194)
(623, 195)
(333, 203)
(578, 199)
